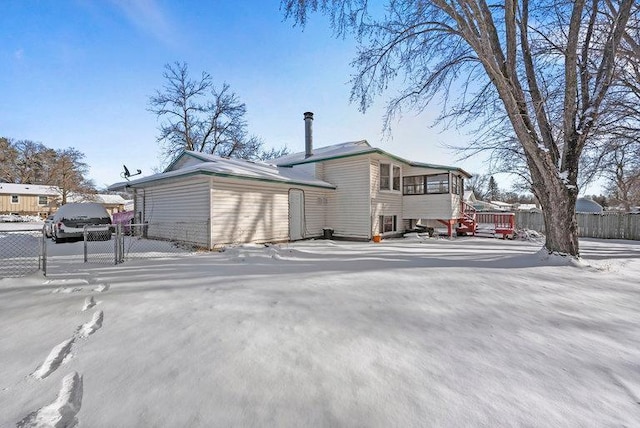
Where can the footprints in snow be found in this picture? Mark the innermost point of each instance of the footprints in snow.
(88, 303)
(63, 411)
(63, 350)
(74, 285)
(55, 358)
(102, 288)
(86, 330)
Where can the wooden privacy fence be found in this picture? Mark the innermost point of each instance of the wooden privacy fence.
(608, 225)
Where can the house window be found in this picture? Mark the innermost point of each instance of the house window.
(387, 223)
(385, 171)
(42, 200)
(396, 178)
(15, 199)
(438, 183)
(455, 184)
(413, 185)
(387, 180)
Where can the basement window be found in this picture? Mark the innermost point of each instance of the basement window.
(387, 223)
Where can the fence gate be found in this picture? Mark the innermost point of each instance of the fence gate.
(21, 252)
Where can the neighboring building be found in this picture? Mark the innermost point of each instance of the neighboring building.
(41, 200)
(349, 190)
(527, 207)
(28, 199)
(588, 205)
(112, 203)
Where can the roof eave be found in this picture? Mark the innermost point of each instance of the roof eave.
(143, 182)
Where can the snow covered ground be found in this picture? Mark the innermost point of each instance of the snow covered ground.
(412, 332)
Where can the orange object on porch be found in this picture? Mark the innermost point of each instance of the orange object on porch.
(377, 238)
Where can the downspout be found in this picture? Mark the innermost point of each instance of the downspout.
(210, 220)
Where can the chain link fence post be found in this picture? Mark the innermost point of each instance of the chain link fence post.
(85, 236)
(43, 252)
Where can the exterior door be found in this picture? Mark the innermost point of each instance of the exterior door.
(296, 214)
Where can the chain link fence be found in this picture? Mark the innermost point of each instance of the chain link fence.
(24, 252)
(145, 240)
(153, 240)
(21, 252)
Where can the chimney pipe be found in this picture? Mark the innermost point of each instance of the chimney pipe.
(308, 134)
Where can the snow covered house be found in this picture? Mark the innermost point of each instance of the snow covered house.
(112, 203)
(27, 199)
(350, 190)
(588, 205)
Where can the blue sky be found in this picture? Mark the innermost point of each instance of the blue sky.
(79, 73)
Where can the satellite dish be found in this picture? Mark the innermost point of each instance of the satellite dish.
(126, 174)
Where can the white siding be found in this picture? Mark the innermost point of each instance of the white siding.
(384, 202)
(408, 170)
(177, 211)
(315, 209)
(430, 207)
(440, 206)
(306, 168)
(349, 207)
(246, 211)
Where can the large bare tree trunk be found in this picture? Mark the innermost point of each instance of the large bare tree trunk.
(559, 210)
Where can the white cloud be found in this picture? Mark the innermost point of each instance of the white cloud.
(148, 16)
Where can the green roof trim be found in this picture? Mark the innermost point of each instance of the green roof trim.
(225, 175)
(380, 152)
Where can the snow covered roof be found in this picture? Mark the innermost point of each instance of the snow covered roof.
(501, 204)
(351, 148)
(99, 198)
(110, 199)
(28, 189)
(76, 209)
(469, 196)
(587, 205)
(235, 168)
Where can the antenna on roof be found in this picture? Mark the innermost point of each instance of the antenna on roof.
(126, 174)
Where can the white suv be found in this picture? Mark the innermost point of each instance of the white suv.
(70, 220)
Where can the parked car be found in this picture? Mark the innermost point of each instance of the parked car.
(48, 226)
(70, 220)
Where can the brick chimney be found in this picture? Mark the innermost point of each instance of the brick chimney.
(308, 134)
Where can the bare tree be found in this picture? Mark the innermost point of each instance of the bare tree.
(29, 162)
(617, 158)
(8, 157)
(478, 185)
(621, 169)
(199, 116)
(70, 174)
(535, 75)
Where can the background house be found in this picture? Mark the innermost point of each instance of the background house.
(588, 205)
(28, 199)
(353, 190)
(40, 200)
(112, 203)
